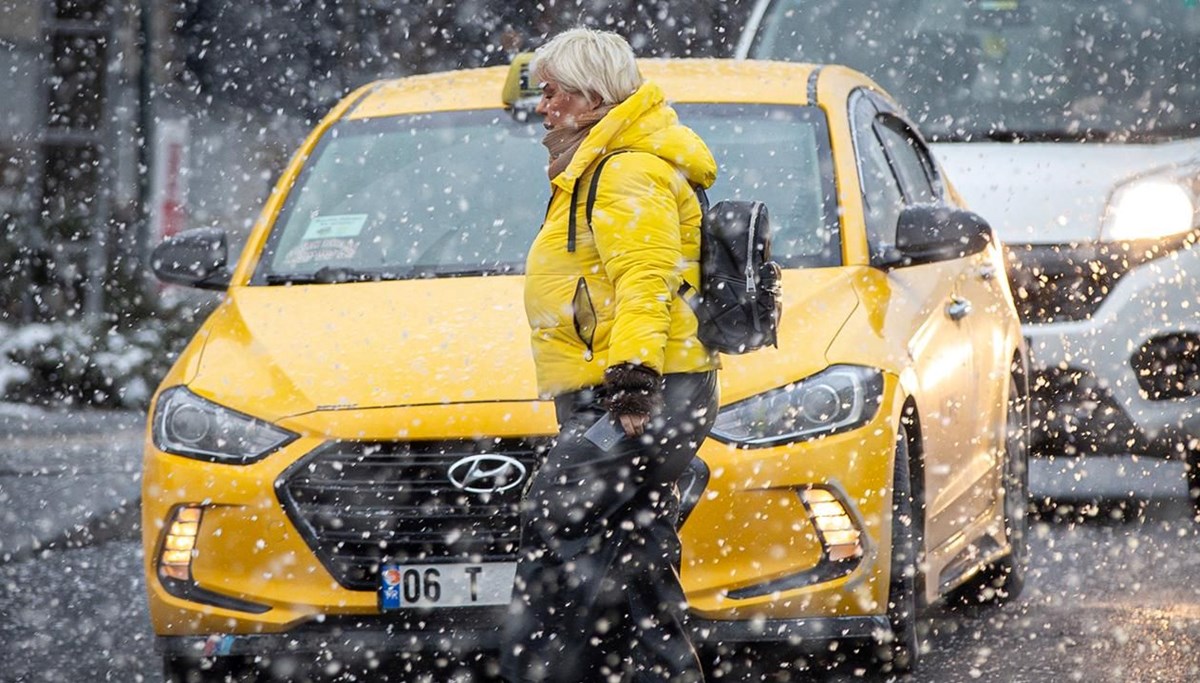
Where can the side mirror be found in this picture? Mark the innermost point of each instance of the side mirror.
(193, 258)
(927, 233)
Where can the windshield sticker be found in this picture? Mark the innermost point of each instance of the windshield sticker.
(321, 250)
(344, 225)
(1000, 13)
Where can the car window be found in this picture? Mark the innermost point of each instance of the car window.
(882, 198)
(909, 160)
(781, 157)
(464, 192)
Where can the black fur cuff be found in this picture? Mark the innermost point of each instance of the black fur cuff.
(632, 390)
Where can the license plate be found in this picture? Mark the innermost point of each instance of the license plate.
(446, 585)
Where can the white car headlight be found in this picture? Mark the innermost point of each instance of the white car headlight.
(185, 424)
(1148, 209)
(839, 398)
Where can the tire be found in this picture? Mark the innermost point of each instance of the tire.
(1003, 580)
(901, 653)
(207, 670)
(1191, 452)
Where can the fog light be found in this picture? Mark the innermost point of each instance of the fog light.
(835, 528)
(175, 558)
(842, 543)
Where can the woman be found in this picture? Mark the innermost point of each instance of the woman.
(597, 593)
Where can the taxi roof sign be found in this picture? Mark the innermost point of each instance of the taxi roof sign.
(518, 90)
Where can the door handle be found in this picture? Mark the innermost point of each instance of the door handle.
(958, 308)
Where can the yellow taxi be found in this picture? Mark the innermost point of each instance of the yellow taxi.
(333, 466)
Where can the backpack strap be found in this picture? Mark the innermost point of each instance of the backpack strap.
(702, 197)
(591, 199)
(594, 186)
(571, 218)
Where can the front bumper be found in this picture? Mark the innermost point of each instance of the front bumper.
(479, 631)
(1124, 379)
(747, 544)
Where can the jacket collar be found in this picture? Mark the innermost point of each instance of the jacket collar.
(609, 130)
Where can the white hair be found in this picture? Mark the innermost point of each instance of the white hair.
(599, 64)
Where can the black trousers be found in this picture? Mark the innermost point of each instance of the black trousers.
(597, 594)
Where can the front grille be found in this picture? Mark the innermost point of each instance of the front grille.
(363, 504)
(1056, 283)
(1065, 282)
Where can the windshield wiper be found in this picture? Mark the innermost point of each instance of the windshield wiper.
(1166, 132)
(334, 274)
(329, 275)
(444, 271)
(1001, 134)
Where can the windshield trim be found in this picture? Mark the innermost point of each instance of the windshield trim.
(750, 36)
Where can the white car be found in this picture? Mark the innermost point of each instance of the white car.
(1074, 129)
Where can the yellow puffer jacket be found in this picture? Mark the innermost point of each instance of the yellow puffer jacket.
(618, 288)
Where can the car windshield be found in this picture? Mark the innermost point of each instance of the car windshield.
(1010, 69)
(463, 193)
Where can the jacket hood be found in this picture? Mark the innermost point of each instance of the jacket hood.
(1049, 193)
(644, 123)
(275, 352)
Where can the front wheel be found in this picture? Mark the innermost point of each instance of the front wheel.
(900, 654)
(1191, 451)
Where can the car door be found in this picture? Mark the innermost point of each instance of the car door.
(920, 184)
(967, 488)
(970, 488)
(929, 298)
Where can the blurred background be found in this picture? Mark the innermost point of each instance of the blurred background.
(125, 121)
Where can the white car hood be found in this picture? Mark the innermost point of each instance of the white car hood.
(1048, 193)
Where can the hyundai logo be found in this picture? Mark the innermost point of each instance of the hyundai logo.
(486, 473)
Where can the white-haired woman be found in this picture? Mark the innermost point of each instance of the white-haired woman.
(597, 591)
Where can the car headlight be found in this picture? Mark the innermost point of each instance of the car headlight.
(1150, 208)
(185, 424)
(836, 399)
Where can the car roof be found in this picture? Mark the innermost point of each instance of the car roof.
(683, 80)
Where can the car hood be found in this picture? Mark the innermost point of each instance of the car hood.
(816, 304)
(1047, 193)
(282, 351)
(277, 352)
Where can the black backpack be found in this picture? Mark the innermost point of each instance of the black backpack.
(739, 301)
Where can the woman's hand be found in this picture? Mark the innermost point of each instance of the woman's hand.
(633, 396)
(634, 425)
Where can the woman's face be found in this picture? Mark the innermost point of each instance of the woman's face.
(561, 107)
